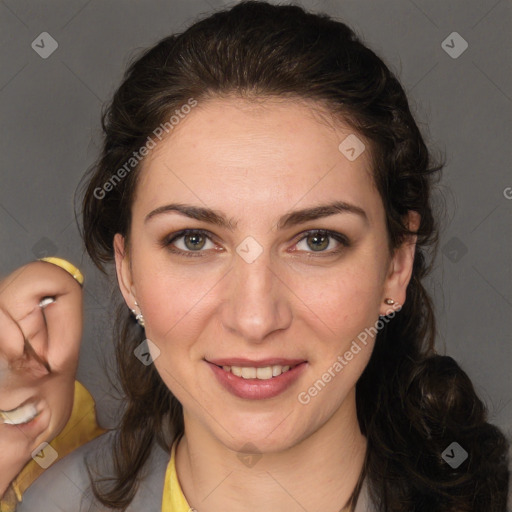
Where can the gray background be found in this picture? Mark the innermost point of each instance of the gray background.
(50, 135)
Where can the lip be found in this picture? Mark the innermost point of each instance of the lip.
(256, 389)
(239, 361)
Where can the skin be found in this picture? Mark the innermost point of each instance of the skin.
(255, 163)
(23, 376)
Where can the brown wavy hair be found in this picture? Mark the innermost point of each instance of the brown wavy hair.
(411, 402)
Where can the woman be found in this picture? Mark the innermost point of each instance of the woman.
(265, 194)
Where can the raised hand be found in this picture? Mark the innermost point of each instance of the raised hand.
(40, 332)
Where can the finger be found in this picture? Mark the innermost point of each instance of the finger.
(64, 320)
(16, 353)
(36, 335)
(55, 335)
(24, 288)
(11, 337)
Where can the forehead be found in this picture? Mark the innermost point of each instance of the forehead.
(271, 154)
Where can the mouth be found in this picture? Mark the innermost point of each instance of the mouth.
(21, 415)
(262, 370)
(257, 380)
(261, 373)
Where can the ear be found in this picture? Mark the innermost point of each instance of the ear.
(123, 270)
(400, 268)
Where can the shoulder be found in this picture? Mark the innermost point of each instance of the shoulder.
(65, 486)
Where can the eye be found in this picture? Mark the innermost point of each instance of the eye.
(320, 240)
(191, 242)
(188, 241)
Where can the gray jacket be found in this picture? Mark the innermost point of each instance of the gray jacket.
(64, 487)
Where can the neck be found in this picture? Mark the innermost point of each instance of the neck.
(318, 473)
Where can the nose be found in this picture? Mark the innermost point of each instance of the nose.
(257, 302)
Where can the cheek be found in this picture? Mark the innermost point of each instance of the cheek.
(343, 301)
(337, 302)
(175, 299)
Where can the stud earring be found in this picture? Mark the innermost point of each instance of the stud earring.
(138, 316)
(389, 302)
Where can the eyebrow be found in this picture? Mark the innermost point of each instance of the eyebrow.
(286, 221)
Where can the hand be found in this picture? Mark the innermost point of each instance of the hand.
(40, 333)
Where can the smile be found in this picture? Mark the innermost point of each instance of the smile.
(257, 382)
(264, 373)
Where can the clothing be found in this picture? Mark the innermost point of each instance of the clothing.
(67, 266)
(173, 498)
(80, 428)
(65, 486)
(175, 501)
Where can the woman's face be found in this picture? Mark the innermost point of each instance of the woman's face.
(257, 287)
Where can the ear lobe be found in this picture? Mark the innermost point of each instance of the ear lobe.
(123, 271)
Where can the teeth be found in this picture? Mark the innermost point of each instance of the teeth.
(265, 373)
(20, 415)
(249, 373)
(235, 370)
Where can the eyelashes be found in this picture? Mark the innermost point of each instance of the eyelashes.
(169, 241)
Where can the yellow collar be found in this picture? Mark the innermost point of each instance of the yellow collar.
(81, 425)
(173, 499)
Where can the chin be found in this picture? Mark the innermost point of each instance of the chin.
(258, 442)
